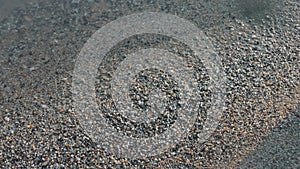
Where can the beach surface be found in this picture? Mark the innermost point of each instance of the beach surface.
(258, 44)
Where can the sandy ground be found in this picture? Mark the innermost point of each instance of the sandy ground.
(37, 116)
(8, 6)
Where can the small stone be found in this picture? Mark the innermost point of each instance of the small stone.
(30, 126)
(75, 1)
(44, 106)
(32, 69)
(6, 119)
(45, 163)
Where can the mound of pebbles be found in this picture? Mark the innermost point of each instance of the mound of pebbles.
(39, 46)
(147, 81)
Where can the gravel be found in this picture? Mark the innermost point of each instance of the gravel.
(39, 45)
(280, 149)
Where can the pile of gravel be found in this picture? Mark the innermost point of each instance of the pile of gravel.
(39, 46)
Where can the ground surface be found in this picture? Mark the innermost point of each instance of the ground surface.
(257, 42)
